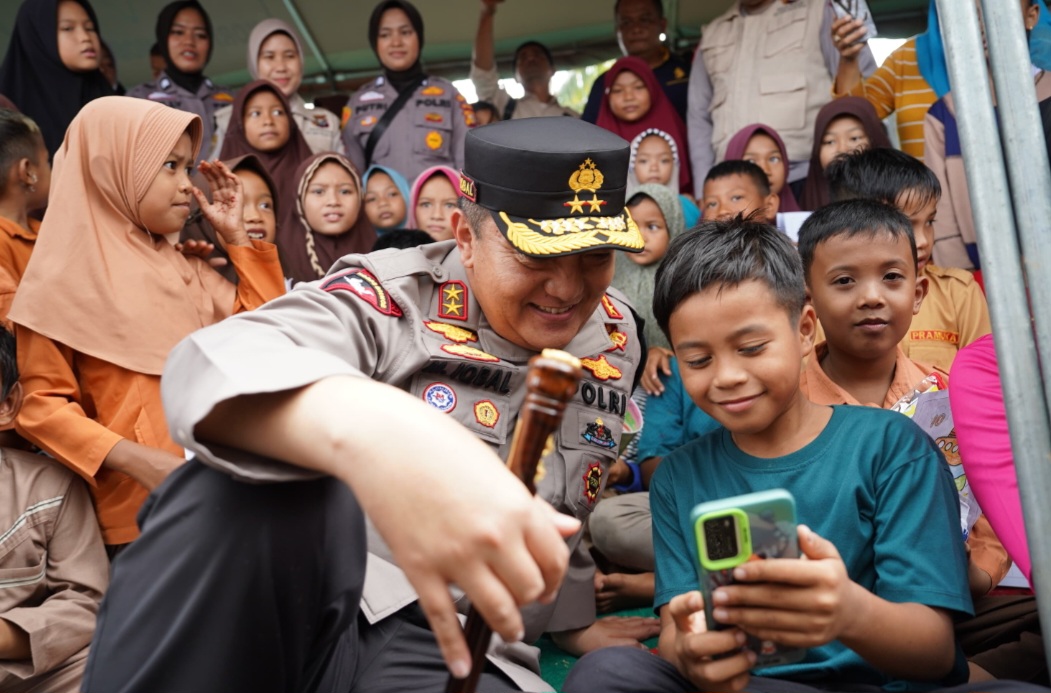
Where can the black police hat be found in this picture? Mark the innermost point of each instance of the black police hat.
(554, 186)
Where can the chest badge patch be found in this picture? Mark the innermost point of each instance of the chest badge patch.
(371, 96)
(440, 396)
(433, 90)
(592, 481)
(618, 339)
(362, 284)
(434, 118)
(434, 140)
(598, 433)
(452, 300)
(486, 413)
(611, 310)
(453, 333)
(469, 352)
(368, 121)
(601, 368)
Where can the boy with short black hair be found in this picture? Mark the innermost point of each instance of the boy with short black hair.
(738, 187)
(886, 572)
(859, 260)
(53, 569)
(955, 312)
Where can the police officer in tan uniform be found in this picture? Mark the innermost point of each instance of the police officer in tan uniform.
(414, 120)
(260, 586)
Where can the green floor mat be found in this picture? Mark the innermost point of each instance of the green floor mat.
(555, 664)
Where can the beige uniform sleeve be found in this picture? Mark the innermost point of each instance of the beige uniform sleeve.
(77, 574)
(972, 313)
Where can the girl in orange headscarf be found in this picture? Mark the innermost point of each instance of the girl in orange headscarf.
(105, 296)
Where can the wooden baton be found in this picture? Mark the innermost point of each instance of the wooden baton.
(551, 381)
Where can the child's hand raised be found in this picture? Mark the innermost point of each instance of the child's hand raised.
(695, 648)
(226, 210)
(202, 250)
(795, 602)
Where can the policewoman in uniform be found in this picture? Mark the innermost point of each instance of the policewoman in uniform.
(404, 119)
(184, 34)
(275, 52)
(400, 373)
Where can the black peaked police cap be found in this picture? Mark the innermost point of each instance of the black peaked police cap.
(554, 186)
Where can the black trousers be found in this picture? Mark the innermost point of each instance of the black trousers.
(254, 587)
(630, 670)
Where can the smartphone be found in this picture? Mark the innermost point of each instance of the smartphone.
(856, 9)
(737, 530)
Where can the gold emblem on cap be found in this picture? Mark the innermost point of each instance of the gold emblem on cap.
(587, 178)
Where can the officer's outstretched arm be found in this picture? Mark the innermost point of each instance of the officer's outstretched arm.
(464, 519)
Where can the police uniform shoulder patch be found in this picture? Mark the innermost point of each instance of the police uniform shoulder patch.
(452, 300)
(610, 308)
(592, 482)
(601, 368)
(440, 396)
(469, 352)
(453, 333)
(486, 413)
(361, 283)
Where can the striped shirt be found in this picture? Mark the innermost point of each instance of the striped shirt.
(898, 87)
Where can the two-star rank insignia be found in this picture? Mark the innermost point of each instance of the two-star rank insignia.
(452, 301)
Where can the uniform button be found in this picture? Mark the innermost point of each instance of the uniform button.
(438, 271)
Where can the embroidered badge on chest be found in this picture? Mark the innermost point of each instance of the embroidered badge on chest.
(452, 300)
(440, 396)
(453, 333)
(592, 482)
(469, 352)
(486, 413)
(362, 284)
(434, 140)
(601, 368)
(598, 433)
(618, 340)
(433, 90)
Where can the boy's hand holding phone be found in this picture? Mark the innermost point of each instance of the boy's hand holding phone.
(849, 36)
(710, 659)
(794, 602)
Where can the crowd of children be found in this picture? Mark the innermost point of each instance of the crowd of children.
(771, 342)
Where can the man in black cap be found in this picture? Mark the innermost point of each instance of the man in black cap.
(401, 374)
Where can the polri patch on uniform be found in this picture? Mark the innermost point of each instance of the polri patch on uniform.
(486, 413)
(601, 368)
(433, 90)
(592, 482)
(362, 284)
(618, 339)
(440, 396)
(469, 352)
(368, 121)
(434, 140)
(452, 300)
(454, 333)
(611, 310)
(371, 96)
(598, 433)
(434, 117)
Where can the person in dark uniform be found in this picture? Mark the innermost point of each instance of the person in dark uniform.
(400, 373)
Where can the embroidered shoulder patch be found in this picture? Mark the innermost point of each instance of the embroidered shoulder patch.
(452, 300)
(362, 284)
(611, 310)
(453, 333)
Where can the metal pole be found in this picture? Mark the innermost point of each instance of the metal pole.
(304, 31)
(1026, 405)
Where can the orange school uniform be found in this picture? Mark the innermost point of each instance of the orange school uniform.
(16, 245)
(77, 407)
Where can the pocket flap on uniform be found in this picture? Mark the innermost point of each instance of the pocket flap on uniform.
(776, 84)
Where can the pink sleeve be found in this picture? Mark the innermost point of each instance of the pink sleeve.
(985, 446)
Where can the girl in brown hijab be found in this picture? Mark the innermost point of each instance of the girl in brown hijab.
(105, 297)
(261, 124)
(844, 125)
(328, 220)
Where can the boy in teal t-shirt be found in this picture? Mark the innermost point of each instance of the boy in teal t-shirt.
(883, 579)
